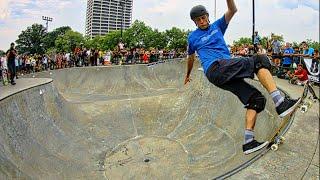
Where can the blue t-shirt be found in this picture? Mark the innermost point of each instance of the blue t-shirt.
(288, 60)
(209, 43)
(309, 52)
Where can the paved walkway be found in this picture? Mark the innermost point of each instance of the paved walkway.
(22, 84)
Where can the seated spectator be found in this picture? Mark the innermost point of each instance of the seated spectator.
(299, 77)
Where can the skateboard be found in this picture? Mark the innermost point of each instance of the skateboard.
(303, 103)
(5, 73)
(307, 104)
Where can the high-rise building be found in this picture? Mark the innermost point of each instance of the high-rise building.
(104, 16)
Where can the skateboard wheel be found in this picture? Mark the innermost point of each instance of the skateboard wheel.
(282, 139)
(274, 147)
(304, 108)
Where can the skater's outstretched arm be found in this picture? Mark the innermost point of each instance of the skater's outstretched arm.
(191, 59)
(232, 9)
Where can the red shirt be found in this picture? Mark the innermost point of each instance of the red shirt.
(304, 73)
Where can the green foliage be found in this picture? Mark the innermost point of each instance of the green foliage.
(264, 42)
(69, 41)
(31, 40)
(242, 41)
(51, 51)
(138, 35)
(2, 53)
(295, 44)
(95, 43)
(313, 44)
(35, 39)
(176, 38)
(110, 40)
(158, 39)
(141, 35)
(277, 37)
(51, 37)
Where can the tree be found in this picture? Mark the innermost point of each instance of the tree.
(313, 44)
(278, 37)
(137, 35)
(95, 43)
(31, 40)
(157, 39)
(243, 41)
(69, 41)
(2, 53)
(51, 37)
(176, 38)
(110, 40)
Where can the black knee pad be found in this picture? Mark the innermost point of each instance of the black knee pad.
(261, 61)
(256, 102)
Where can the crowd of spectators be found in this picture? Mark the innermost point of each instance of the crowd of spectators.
(82, 57)
(287, 59)
(284, 57)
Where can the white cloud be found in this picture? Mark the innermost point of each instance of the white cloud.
(4, 9)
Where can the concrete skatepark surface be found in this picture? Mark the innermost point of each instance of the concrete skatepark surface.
(125, 122)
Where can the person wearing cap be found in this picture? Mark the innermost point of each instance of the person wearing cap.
(228, 73)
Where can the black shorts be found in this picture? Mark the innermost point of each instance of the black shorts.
(230, 74)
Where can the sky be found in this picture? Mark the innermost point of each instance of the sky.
(296, 20)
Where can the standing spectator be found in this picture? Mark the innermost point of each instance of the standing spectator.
(33, 64)
(256, 41)
(287, 60)
(276, 50)
(95, 57)
(107, 58)
(153, 57)
(296, 58)
(137, 56)
(276, 46)
(45, 62)
(16, 62)
(11, 56)
(308, 51)
(28, 66)
(145, 57)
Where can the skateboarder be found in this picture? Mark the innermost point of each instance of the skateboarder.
(228, 74)
(11, 56)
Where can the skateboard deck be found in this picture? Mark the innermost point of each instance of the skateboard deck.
(5, 77)
(4, 71)
(277, 138)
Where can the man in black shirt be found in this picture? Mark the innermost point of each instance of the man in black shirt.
(11, 56)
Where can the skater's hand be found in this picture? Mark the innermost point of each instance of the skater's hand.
(187, 79)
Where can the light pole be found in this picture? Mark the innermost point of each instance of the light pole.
(215, 10)
(47, 19)
(253, 21)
